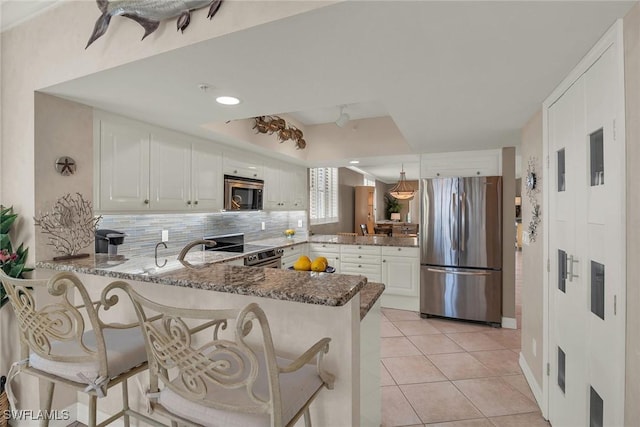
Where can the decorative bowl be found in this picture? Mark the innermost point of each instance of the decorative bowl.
(328, 270)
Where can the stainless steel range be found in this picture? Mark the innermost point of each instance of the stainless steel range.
(255, 255)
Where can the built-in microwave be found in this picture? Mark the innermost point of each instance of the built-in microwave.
(242, 194)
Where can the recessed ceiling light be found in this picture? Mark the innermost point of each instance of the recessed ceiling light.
(354, 162)
(227, 100)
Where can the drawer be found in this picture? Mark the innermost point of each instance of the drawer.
(360, 249)
(292, 251)
(324, 247)
(364, 269)
(400, 251)
(361, 259)
(332, 257)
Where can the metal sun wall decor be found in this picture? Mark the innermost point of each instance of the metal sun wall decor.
(532, 187)
(149, 13)
(70, 225)
(275, 124)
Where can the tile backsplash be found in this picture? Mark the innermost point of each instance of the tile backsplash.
(144, 231)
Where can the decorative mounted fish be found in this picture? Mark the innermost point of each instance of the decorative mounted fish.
(149, 13)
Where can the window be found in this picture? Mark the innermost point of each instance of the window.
(369, 182)
(323, 195)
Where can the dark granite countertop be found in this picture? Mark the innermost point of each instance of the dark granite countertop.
(369, 294)
(204, 270)
(365, 240)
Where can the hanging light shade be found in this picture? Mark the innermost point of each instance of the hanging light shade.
(402, 190)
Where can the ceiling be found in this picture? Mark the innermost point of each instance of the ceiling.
(453, 75)
(14, 12)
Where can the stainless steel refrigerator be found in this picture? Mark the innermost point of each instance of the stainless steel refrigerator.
(461, 248)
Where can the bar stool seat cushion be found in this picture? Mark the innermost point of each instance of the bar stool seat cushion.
(296, 388)
(125, 350)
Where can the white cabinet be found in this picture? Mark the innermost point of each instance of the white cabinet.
(464, 163)
(285, 187)
(400, 270)
(291, 254)
(330, 251)
(123, 167)
(143, 168)
(206, 179)
(364, 260)
(244, 168)
(170, 168)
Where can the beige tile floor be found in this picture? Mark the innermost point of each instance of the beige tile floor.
(448, 373)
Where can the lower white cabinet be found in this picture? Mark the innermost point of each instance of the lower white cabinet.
(401, 270)
(291, 254)
(363, 260)
(330, 251)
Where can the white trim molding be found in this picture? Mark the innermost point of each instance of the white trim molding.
(533, 384)
(509, 323)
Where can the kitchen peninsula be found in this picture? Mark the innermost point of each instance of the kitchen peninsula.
(301, 307)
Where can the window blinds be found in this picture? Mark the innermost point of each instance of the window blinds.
(323, 197)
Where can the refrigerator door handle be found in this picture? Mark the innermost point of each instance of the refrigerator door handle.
(463, 203)
(452, 223)
(459, 273)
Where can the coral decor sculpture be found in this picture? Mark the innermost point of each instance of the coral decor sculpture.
(70, 225)
(274, 124)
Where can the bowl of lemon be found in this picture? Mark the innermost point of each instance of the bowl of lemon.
(318, 265)
(290, 232)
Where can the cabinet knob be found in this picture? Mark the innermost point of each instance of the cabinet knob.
(324, 246)
(399, 249)
(195, 203)
(188, 202)
(255, 175)
(146, 201)
(235, 171)
(384, 260)
(359, 256)
(359, 266)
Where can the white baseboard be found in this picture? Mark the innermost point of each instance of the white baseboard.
(509, 323)
(400, 302)
(533, 385)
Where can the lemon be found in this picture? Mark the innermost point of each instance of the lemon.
(302, 264)
(318, 265)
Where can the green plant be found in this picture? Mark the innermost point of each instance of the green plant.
(12, 263)
(392, 205)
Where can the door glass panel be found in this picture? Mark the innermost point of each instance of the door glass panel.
(562, 270)
(561, 367)
(596, 409)
(597, 289)
(561, 170)
(597, 157)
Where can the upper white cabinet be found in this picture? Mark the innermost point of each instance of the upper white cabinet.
(170, 168)
(464, 163)
(206, 179)
(285, 187)
(141, 167)
(124, 167)
(244, 168)
(185, 173)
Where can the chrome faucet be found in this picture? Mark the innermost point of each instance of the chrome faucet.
(190, 245)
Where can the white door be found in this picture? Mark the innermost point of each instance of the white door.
(586, 249)
(400, 275)
(298, 188)
(124, 167)
(206, 178)
(170, 173)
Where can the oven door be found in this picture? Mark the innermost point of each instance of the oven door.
(272, 263)
(242, 195)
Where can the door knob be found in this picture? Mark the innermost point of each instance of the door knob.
(146, 201)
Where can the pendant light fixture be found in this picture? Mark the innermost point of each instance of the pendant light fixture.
(402, 190)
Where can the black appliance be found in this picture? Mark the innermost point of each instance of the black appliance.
(107, 241)
(255, 255)
(242, 194)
